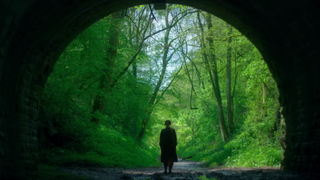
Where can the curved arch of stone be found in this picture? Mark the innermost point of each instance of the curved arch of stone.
(34, 33)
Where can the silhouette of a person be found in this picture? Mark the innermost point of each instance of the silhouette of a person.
(168, 143)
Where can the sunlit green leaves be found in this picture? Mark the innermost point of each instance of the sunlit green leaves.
(68, 97)
(139, 7)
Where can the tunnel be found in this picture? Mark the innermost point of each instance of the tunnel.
(34, 33)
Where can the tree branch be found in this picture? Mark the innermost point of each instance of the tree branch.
(135, 55)
(152, 13)
(188, 74)
(126, 68)
(184, 15)
(168, 85)
(273, 96)
(89, 86)
(175, 50)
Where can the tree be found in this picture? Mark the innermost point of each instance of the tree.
(189, 68)
(229, 93)
(111, 53)
(166, 57)
(208, 55)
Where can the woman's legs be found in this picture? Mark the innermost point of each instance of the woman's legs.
(170, 163)
(165, 164)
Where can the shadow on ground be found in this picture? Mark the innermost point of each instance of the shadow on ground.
(188, 170)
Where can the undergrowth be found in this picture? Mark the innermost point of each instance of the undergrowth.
(230, 155)
(250, 146)
(93, 145)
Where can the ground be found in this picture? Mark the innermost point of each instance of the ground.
(188, 170)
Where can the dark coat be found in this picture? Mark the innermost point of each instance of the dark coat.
(168, 143)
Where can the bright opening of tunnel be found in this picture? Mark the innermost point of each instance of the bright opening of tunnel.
(34, 34)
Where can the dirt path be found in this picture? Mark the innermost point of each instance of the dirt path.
(187, 170)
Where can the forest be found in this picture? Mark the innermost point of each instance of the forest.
(114, 86)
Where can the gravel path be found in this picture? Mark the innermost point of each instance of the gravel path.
(187, 170)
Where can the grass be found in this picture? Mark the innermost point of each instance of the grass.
(205, 178)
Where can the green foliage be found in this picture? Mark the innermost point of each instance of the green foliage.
(100, 146)
(205, 178)
(69, 138)
(254, 142)
(139, 7)
(255, 155)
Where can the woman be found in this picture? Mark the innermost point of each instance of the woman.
(168, 143)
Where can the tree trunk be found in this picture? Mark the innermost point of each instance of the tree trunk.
(156, 89)
(229, 97)
(213, 75)
(106, 79)
(263, 107)
(131, 30)
(216, 79)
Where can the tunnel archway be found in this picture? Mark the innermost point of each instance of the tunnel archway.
(36, 32)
